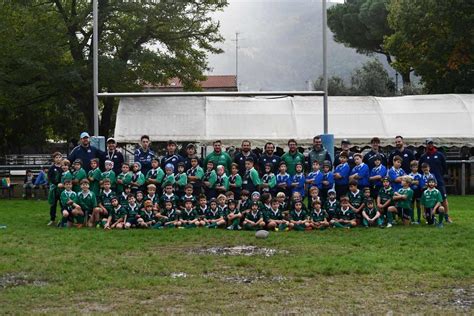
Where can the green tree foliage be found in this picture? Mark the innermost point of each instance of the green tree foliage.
(370, 80)
(437, 39)
(46, 59)
(363, 25)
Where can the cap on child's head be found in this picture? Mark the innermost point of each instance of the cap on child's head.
(109, 162)
(345, 141)
(138, 164)
(331, 192)
(326, 163)
(255, 194)
(169, 166)
(377, 157)
(385, 179)
(78, 161)
(253, 203)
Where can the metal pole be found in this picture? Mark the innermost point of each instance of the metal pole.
(237, 59)
(325, 70)
(95, 64)
(463, 178)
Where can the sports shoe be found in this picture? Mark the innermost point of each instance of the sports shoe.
(415, 223)
(276, 229)
(230, 227)
(389, 225)
(440, 225)
(449, 220)
(52, 223)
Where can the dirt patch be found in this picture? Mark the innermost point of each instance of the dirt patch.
(19, 279)
(245, 279)
(237, 251)
(463, 298)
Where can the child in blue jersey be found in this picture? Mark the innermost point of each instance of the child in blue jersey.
(360, 172)
(341, 175)
(415, 186)
(328, 181)
(376, 175)
(298, 180)
(283, 180)
(425, 176)
(315, 177)
(396, 173)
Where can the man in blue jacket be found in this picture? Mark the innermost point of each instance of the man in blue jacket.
(86, 152)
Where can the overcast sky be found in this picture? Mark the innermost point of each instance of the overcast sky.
(279, 44)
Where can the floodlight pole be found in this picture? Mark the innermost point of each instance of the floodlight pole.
(95, 64)
(325, 69)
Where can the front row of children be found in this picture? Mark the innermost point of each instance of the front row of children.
(138, 210)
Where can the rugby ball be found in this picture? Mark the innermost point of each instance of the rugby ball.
(261, 234)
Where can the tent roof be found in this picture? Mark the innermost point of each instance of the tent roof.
(446, 118)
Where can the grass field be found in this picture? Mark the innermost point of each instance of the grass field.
(415, 269)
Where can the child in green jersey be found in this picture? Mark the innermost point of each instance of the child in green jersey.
(404, 200)
(69, 205)
(94, 176)
(87, 200)
(66, 173)
(431, 200)
(77, 175)
(108, 174)
(385, 201)
(371, 216)
(318, 218)
(298, 217)
(124, 178)
(345, 215)
(253, 220)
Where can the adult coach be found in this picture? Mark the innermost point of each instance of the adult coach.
(144, 154)
(114, 155)
(369, 158)
(86, 152)
(218, 157)
(292, 157)
(245, 152)
(406, 154)
(437, 162)
(171, 157)
(318, 153)
(269, 157)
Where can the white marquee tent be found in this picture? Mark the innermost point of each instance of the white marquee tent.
(449, 119)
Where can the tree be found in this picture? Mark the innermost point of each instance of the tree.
(336, 86)
(370, 80)
(363, 25)
(437, 39)
(138, 43)
(32, 76)
(46, 59)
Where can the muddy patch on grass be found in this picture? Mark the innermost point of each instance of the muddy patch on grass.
(19, 279)
(463, 298)
(245, 279)
(237, 251)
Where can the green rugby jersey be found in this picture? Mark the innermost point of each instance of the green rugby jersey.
(430, 197)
